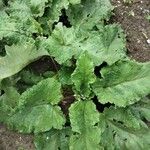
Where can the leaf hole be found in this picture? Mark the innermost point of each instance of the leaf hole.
(5, 2)
(2, 48)
(66, 136)
(88, 15)
(98, 68)
(117, 121)
(64, 19)
(99, 106)
(2, 92)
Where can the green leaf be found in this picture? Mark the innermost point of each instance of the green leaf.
(91, 13)
(1, 4)
(123, 83)
(73, 2)
(17, 57)
(106, 45)
(65, 75)
(124, 116)
(83, 75)
(27, 8)
(56, 7)
(19, 9)
(142, 109)
(37, 119)
(8, 102)
(120, 132)
(29, 77)
(55, 10)
(35, 112)
(7, 26)
(38, 7)
(59, 44)
(88, 140)
(46, 91)
(83, 115)
(18, 23)
(53, 140)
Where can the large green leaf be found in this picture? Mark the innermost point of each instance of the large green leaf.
(142, 109)
(8, 102)
(55, 10)
(83, 75)
(35, 111)
(83, 115)
(38, 7)
(17, 57)
(59, 44)
(37, 119)
(19, 9)
(123, 83)
(91, 13)
(27, 8)
(18, 23)
(105, 45)
(46, 91)
(88, 140)
(122, 132)
(53, 140)
(7, 26)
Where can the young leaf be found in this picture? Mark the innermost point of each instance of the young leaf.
(53, 140)
(83, 75)
(37, 119)
(17, 57)
(123, 83)
(65, 75)
(83, 115)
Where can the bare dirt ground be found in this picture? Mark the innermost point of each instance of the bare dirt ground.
(132, 18)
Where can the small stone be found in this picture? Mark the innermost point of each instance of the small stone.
(148, 41)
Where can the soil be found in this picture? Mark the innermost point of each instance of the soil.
(10, 140)
(132, 18)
